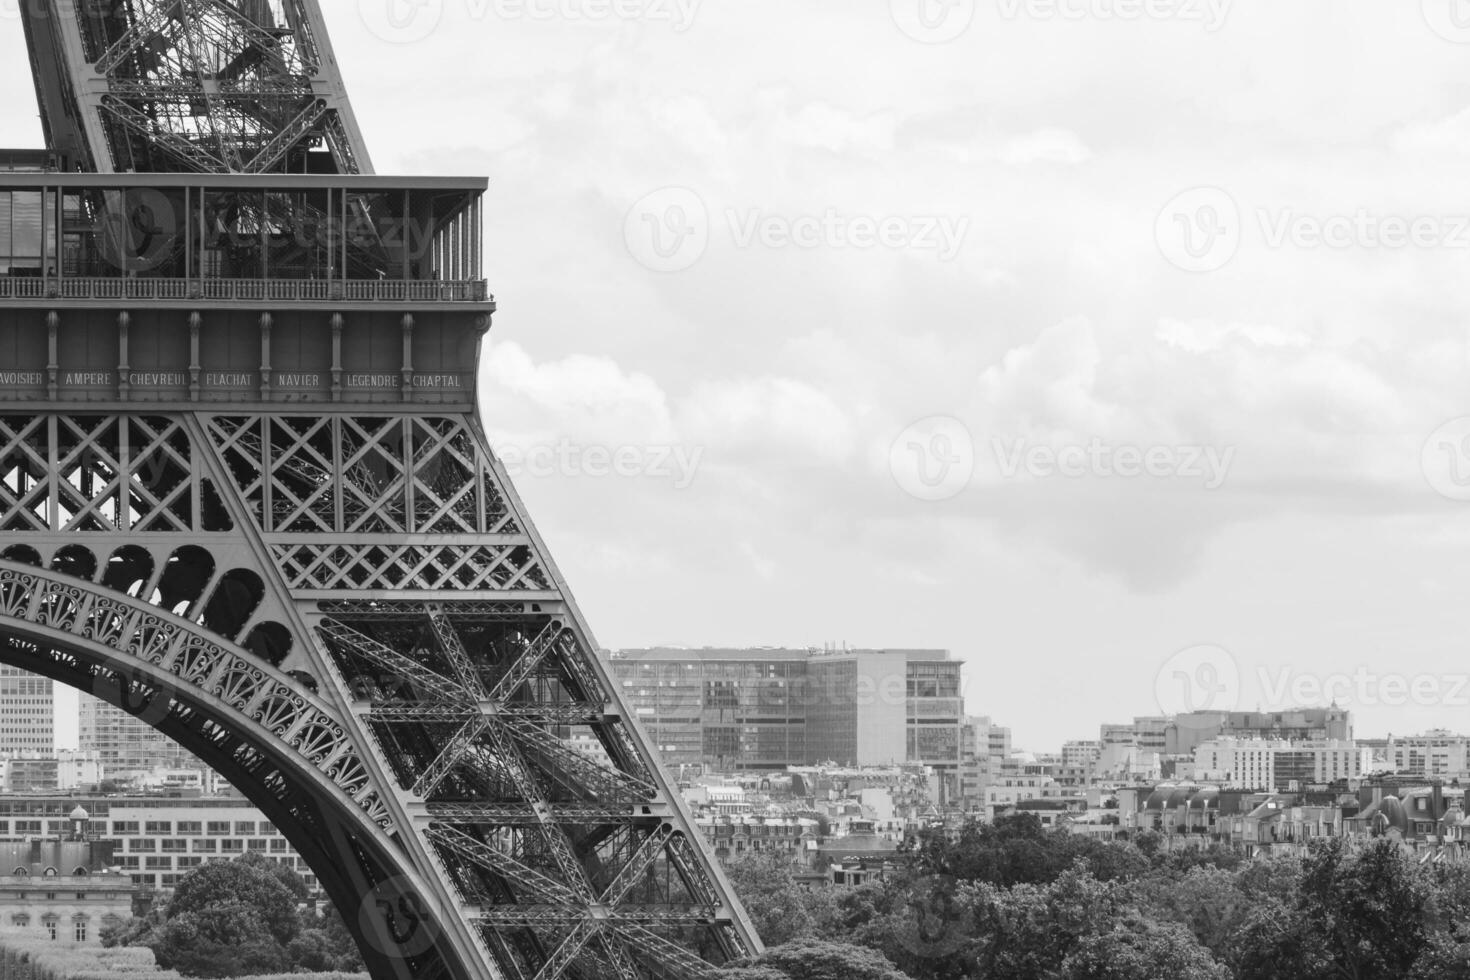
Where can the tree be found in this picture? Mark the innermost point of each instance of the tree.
(1354, 917)
(249, 883)
(816, 959)
(1142, 950)
(222, 939)
(780, 907)
(235, 919)
(1028, 931)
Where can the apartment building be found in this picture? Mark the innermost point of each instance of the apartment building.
(156, 840)
(1185, 732)
(1259, 764)
(66, 890)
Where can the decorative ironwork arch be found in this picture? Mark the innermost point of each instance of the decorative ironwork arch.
(280, 745)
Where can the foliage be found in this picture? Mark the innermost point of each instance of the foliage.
(30, 953)
(998, 903)
(815, 959)
(782, 908)
(1142, 950)
(232, 919)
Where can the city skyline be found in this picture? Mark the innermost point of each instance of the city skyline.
(785, 375)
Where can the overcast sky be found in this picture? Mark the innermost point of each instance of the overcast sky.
(870, 314)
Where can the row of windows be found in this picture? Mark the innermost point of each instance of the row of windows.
(215, 828)
(52, 924)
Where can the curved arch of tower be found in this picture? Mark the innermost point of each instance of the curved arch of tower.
(244, 495)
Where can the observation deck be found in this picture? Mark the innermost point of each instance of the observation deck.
(240, 288)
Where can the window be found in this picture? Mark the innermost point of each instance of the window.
(186, 827)
(219, 828)
(205, 846)
(79, 930)
(267, 828)
(232, 845)
(159, 827)
(125, 826)
(174, 846)
(244, 827)
(20, 920)
(51, 928)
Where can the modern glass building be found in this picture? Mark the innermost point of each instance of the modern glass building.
(767, 708)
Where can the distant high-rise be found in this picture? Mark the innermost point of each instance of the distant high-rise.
(27, 713)
(769, 708)
(125, 745)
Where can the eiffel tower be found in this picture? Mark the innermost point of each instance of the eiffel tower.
(244, 494)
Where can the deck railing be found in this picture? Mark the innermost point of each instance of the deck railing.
(246, 290)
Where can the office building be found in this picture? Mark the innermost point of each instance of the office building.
(768, 708)
(27, 714)
(127, 747)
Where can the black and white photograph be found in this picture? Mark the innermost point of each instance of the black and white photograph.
(711, 490)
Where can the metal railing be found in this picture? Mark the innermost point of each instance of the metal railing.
(247, 290)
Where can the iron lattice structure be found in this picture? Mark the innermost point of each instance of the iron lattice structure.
(244, 495)
(210, 86)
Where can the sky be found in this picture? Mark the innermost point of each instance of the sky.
(1120, 347)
